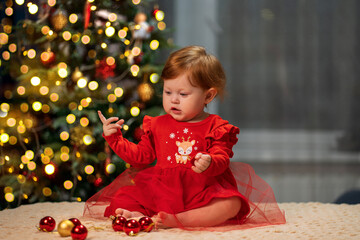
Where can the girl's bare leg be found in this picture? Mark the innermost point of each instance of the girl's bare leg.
(216, 212)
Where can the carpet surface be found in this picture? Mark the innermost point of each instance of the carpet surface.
(310, 220)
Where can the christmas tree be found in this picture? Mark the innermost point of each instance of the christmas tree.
(61, 63)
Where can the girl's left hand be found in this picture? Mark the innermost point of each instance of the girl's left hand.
(201, 163)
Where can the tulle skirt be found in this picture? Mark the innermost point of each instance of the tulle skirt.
(152, 190)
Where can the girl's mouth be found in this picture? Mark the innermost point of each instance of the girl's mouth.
(175, 110)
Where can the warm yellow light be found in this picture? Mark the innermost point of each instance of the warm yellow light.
(47, 192)
(103, 45)
(110, 31)
(87, 139)
(45, 159)
(65, 149)
(89, 169)
(33, 8)
(110, 61)
(24, 69)
(12, 47)
(24, 107)
(118, 92)
(84, 121)
(135, 111)
(49, 169)
(49, 151)
(159, 15)
(161, 26)
(154, 44)
(31, 166)
(111, 98)
(9, 11)
(93, 85)
(73, 18)
(64, 135)
(110, 168)
(112, 17)
(62, 72)
(5, 107)
(85, 39)
(37, 106)
(68, 184)
(154, 77)
(35, 81)
(45, 108)
(134, 70)
(13, 140)
(4, 137)
(4, 38)
(45, 30)
(21, 90)
(11, 122)
(19, 2)
(70, 118)
(64, 157)
(136, 51)
(44, 90)
(9, 197)
(66, 35)
(51, 3)
(136, 2)
(82, 82)
(31, 54)
(6, 55)
(122, 33)
(29, 154)
(84, 102)
(54, 97)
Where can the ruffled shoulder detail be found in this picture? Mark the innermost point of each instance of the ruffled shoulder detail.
(147, 122)
(222, 132)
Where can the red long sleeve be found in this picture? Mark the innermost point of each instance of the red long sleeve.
(135, 154)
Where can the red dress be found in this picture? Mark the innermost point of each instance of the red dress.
(171, 185)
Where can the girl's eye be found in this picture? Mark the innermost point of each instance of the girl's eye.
(167, 92)
(183, 94)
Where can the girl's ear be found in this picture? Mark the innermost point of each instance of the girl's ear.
(210, 95)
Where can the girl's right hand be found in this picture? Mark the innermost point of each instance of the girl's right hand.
(108, 126)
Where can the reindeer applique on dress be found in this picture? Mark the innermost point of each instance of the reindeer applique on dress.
(184, 149)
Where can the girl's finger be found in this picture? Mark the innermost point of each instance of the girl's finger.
(101, 116)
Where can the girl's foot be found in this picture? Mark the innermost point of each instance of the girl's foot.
(166, 220)
(127, 214)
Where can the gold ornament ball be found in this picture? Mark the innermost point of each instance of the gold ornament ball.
(59, 20)
(145, 92)
(64, 228)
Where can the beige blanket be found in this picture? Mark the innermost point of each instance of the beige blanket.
(304, 221)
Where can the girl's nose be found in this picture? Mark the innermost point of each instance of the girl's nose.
(174, 98)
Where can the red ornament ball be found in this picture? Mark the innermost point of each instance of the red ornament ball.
(75, 221)
(79, 232)
(47, 224)
(146, 224)
(118, 224)
(132, 227)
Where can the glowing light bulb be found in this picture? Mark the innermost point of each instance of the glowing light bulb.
(50, 169)
(35, 81)
(37, 106)
(135, 111)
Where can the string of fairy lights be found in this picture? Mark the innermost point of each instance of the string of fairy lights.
(48, 85)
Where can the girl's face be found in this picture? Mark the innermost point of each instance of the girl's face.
(183, 101)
